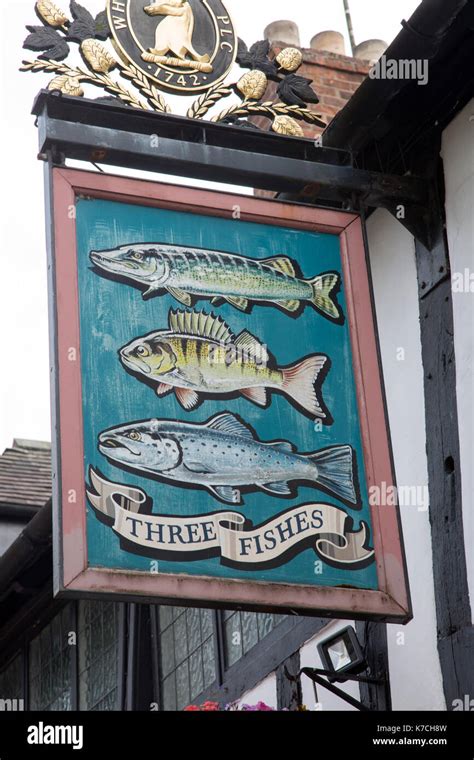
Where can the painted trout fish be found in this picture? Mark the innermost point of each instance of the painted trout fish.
(200, 355)
(187, 272)
(224, 455)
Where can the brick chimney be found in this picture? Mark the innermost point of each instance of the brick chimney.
(336, 76)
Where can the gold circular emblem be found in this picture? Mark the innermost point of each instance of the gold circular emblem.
(183, 46)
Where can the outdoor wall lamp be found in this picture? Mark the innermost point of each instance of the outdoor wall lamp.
(343, 659)
(342, 653)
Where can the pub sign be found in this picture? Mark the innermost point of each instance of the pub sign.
(218, 403)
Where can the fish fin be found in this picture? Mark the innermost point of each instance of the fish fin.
(299, 382)
(289, 305)
(282, 488)
(323, 286)
(200, 324)
(257, 395)
(230, 423)
(180, 296)
(281, 264)
(239, 303)
(163, 388)
(199, 467)
(254, 348)
(285, 446)
(336, 471)
(188, 398)
(151, 290)
(226, 494)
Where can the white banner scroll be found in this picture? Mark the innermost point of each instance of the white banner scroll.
(228, 534)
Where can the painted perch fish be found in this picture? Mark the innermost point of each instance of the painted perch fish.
(200, 355)
(186, 272)
(224, 455)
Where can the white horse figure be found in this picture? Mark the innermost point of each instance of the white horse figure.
(175, 33)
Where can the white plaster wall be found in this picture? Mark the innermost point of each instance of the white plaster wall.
(458, 156)
(415, 672)
(265, 691)
(309, 658)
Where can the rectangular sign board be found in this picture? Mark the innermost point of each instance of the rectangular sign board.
(219, 414)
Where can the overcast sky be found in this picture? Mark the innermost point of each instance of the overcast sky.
(24, 364)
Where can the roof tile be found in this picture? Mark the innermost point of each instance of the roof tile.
(25, 474)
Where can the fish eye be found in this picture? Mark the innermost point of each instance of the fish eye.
(137, 256)
(143, 351)
(135, 435)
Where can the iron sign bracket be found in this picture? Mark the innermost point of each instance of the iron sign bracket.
(114, 135)
(315, 675)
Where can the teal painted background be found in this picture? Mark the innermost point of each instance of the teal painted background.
(112, 313)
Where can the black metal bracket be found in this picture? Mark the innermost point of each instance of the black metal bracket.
(104, 133)
(316, 675)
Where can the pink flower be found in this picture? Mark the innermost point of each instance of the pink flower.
(262, 707)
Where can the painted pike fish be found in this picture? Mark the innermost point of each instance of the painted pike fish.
(200, 355)
(187, 272)
(224, 455)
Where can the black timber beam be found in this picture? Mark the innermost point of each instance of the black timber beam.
(115, 135)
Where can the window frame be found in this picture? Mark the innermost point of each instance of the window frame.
(138, 628)
(260, 661)
(35, 622)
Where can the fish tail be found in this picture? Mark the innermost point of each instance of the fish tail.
(336, 471)
(300, 381)
(323, 298)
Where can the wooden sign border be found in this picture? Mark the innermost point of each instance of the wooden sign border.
(72, 576)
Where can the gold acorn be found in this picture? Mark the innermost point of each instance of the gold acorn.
(252, 85)
(285, 125)
(67, 85)
(290, 59)
(97, 56)
(51, 14)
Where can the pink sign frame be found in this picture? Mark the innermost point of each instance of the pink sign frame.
(73, 577)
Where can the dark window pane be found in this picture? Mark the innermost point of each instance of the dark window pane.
(35, 658)
(167, 652)
(207, 623)
(56, 633)
(11, 683)
(196, 674)
(98, 655)
(50, 662)
(34, 690)
(168, 693)
(194, 628)
(180, 639)
(233, 639)
(165, 615)
(109, 627)
(187, 652)
(243, 630)
(107, 704)
(209, 662)
(266, 623)
(249, 631)
(182, 685)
